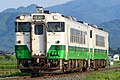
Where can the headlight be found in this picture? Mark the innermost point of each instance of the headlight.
(22, 17)
(55, 17)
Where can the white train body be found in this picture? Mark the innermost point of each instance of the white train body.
(59, 37)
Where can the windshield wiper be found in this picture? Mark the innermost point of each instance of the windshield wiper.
(51, 30)
(20, 28)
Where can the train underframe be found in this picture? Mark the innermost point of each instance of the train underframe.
(38, 65)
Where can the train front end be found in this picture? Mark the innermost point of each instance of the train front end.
(30, 44)
(40, 42)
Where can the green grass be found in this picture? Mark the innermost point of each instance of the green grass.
(8, 62)
(7, 72)
(104, 75)
(116, 63)
(18, 73)
(8, 67)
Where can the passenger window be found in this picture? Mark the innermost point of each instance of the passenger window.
(39, 29)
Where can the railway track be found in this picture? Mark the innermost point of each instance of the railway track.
(66, 76)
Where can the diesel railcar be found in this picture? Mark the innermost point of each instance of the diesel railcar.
(52, 42)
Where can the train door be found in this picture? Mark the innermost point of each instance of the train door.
(38, 39)
(91, 44)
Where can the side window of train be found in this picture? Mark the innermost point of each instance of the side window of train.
(90, 33)
(77, 36)
(100, 40)
(39, 29)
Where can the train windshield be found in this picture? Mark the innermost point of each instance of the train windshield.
(56, 27)
(22, 26)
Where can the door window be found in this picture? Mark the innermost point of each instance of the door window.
(39, 29)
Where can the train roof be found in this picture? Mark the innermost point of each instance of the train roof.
(41, 11)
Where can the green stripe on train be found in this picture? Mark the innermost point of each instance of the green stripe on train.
(56, 52)
(77, 53)
(100, 54)
(22, 52)
(83, 53)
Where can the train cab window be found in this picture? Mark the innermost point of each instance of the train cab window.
(56, 27)
(39, 29)
(22, 26)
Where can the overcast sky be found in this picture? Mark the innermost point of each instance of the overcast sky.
(4, 4)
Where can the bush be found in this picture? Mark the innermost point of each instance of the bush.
(2, 57)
